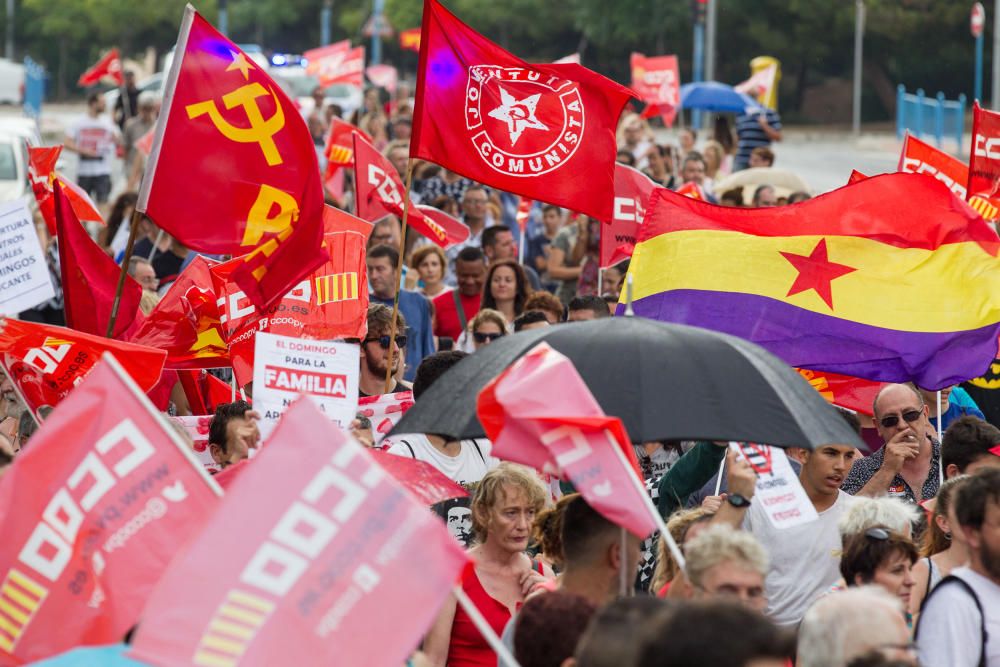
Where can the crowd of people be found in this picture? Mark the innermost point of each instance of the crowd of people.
(900, 567)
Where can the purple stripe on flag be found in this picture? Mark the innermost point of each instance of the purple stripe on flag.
(810, 340)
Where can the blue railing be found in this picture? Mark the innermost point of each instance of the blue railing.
(34, 88)
(935, 116)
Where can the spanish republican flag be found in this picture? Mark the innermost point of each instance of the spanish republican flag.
(892, 279)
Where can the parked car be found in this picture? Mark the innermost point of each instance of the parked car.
(348, 98)
(13, 167)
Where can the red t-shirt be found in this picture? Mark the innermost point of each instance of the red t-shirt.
(446, 315)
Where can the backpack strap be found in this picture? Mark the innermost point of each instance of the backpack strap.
(459, 310)
(478, 451)
(984, 636)
(413, 454)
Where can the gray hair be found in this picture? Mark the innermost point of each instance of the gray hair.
(720, 544)
(864, 513)
(846, 624)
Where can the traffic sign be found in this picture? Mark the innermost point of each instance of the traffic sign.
(977, 19)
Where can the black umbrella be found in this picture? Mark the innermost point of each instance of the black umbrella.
(665, 382)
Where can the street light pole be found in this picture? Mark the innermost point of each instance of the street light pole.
(710, 31)
(376, 58)
(9, 46)
(223, 17)
(859, 38)
(325, 16)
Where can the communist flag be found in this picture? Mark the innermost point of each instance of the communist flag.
(187, 321)
(233, 168)
(842, 390)
(90, 278)
(109, 67)
(862, 281)
(339, 151)
(380, 192)
(532, 130)
(46, 362)
(42, 174)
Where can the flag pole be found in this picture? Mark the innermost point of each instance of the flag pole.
(133, 230)
(940, 436)
(399, 274)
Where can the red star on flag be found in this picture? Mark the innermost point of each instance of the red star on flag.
(816, 272)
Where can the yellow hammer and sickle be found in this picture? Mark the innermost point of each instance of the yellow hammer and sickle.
(260, 132)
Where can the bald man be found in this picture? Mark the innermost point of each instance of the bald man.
(908, 466)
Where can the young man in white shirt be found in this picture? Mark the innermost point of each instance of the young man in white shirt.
(95, 138)
(959, 625)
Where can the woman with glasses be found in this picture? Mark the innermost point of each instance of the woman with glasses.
(487, 326)
(882, 557)
(506, 289)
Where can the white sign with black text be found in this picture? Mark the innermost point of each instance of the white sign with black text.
(24, 275)
(778, 488)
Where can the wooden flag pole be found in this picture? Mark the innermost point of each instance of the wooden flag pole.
(133, 230)
(398, 275)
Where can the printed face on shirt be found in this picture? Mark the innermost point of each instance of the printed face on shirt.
(470, 277)
(898, 400)
(824, 470)
(460, 524)
(510, 521)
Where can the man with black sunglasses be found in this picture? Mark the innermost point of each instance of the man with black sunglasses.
(375, 352)
(909, 465)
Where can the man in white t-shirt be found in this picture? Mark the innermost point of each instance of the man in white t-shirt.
(952, 629)
(805, 559)
(95, 138)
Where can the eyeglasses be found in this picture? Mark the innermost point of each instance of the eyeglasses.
(910, 416)
(880, 534)
(383, 341)
(485, 337)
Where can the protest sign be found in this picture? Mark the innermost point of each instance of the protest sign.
(286, 368)
(24, 275)
(778, 488)
(91, 514)
(335, 544)
(657, 82)
(632, 190)
(918, 157)
(384, 411)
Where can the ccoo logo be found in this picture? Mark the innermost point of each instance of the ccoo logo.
(522, 122)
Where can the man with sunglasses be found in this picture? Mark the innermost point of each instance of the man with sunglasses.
(375, 351)
(908, 466)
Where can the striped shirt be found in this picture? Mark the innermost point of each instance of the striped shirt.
(751, 135)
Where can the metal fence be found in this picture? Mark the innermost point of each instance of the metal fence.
(930, 116)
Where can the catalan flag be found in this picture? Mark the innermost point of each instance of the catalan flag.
(893, 278)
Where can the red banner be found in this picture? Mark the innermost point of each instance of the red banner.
(42, 174)
(45, 362)
(532, 130)
(845, 391)
(632, 190)
(919, 157)
(336, 63)
(380, 192)
(984, 162)
(109, 67)
(410, 39)
(331, 303)
(187, 322)
(657, 82)
(334, 544)
(260, 195)
(91, 513)
(90, 279)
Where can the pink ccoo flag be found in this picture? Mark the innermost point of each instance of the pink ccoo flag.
(313, 549)
(540, 413)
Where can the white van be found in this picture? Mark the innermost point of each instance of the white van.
(11, 82)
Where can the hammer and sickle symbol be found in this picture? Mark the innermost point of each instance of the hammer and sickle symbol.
(261, 130)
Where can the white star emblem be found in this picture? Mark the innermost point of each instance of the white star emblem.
(518, 114)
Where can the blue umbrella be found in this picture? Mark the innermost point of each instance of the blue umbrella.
(106, 656)
(715, 96)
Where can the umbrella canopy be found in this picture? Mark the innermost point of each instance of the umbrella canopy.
(785, 182)
(665, 382)
(715, 96)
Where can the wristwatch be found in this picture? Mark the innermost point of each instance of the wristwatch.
(736, 500)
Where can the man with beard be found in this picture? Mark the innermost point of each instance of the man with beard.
(375, 351)
(960, 621)
(418, 340)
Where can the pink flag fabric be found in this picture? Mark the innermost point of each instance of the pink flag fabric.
(90, 515)
(336, 549)
(540, 413)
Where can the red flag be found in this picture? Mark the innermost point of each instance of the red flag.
(46, 362)
(918, 157)
(455, 230)
(380, 192)
(692, 190)
(657, 82)
(339, 150)
(260, 194)
(204, 392)
(383, 76)
(331, 303)
(845, 391)
(984, 162)
(528, 129)
(92, 512)
(108, 67)
(568, 433)
(90, 278)
(334, 543)
(410, 39)
(632, 191)
(855, 177)
(420, 478)
(187, 321)
(336, 63)
(42, 174)
(523, 213)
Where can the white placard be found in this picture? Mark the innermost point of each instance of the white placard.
(286, 368)
(779, 491)
(24, 275)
